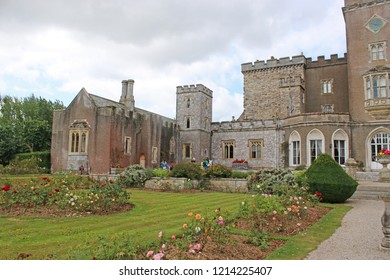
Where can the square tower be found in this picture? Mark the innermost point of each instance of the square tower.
(194, 116)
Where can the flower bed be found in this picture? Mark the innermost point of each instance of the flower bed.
(45, 196)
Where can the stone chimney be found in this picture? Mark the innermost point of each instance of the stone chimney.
(127, 97)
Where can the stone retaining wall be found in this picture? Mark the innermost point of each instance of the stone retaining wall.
(221, 185)
(176, 184)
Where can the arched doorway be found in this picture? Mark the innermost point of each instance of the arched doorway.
(142, 160)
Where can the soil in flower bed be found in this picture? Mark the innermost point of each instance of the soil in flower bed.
(54, 211)
(239, 247)
(290, 226)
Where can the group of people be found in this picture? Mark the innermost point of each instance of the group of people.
(166, 166)
(204, 164)
(207, 163)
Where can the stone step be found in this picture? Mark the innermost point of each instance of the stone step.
(371, 190)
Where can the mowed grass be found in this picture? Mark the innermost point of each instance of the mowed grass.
(59, 238)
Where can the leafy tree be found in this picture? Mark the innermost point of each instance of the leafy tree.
(25, 125)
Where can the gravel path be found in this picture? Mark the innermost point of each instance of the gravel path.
(359, 236)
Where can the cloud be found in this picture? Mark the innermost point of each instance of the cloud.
(54, 48)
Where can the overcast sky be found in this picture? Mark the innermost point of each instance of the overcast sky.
(53, 48)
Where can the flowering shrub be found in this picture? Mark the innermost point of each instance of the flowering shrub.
(134, 176)
(239, 161)
(265, 180)
(45, 192)
(201, 228)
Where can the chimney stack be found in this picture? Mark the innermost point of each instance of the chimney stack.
(127, 97)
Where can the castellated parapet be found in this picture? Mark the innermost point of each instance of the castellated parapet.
(194, 88)
(273, 62)
(321, 61)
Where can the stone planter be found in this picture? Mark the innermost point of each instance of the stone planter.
(385, 245)
(384, 173)
(116, 170)
(240, 166)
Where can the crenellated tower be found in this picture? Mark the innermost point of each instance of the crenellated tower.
(274, 88)
(194, 116)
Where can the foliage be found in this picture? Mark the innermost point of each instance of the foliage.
(218, 171)
(134, 176)
(241, 174)
(265, 180)
(25, 125)
(132, 234)
(43, 158)
(187, 170)
(28, 165)
(326, 178)
(159, 172)
(45, 192)
(270, 213)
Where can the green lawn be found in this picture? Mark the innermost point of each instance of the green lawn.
(61, 238)
(154, 212)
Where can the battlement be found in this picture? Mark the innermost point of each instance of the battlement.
(194, 89)
(273, 62)
(351, 5)
(321, 61)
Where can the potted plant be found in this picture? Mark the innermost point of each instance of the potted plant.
(240, 164)
(117, 168)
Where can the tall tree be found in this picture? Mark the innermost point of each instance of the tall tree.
(25, 125)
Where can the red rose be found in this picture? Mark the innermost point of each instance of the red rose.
(6, 188)
(56, 190)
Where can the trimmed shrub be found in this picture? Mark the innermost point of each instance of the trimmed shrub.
(327, 179)
(241, 174)
(134, 176)
(188, 170)
(218, 171)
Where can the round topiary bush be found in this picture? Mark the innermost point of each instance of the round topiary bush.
(218, 171)
(188, 170)
(327, 179)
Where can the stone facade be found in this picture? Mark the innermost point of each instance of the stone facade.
(193, 115)
(97, 133)
(294, 109)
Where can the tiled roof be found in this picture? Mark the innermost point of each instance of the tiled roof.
(103, 102)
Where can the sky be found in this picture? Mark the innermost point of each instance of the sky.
(53, 49)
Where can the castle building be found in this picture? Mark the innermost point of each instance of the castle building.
(294, 109)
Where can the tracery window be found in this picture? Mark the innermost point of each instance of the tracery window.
(228, 149)
(78, 137)
(255, 149)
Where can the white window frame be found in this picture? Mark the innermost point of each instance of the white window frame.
(316, 140)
